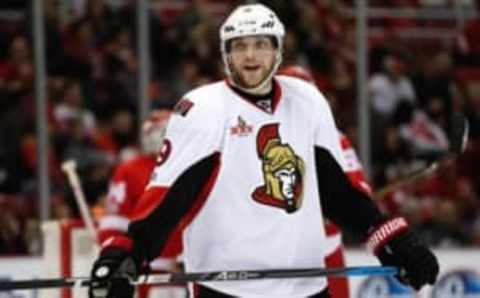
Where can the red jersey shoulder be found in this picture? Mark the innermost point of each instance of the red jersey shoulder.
(135, 166)
(139, 162)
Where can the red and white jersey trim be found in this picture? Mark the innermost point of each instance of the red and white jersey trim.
(332, 242)
(162, 264)
(114, 222)
(352, 162)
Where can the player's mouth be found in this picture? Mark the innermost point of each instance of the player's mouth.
(251, 68)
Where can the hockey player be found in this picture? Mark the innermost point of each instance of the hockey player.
(131, 177)
(255, 159)
(126, 187)
(334, 250)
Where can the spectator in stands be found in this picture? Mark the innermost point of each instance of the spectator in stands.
(79, 48)
(17, 71)
(118, 139)
(394, 157)
(391, 86)
(72, 108)
(434, 83)
(452, 206)
(424, 138)
(343, 88)
(100, 17)
(11, 238)
(118, 68)
(29, 162)
(468, 48)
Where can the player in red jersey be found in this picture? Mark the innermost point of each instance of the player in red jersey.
(131, 177)
(126, 187)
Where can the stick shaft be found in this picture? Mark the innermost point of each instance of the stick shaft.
(206, 276)
(458, 138)
(411, 178)
(43, 284)
(274, 274)
(69, 167)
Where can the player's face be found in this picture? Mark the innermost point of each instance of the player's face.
(251, 59)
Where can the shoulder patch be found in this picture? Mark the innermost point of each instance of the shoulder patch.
(183, 107)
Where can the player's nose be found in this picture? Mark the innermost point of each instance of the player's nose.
(250, 53)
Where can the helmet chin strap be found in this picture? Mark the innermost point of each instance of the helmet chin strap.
(266, 80)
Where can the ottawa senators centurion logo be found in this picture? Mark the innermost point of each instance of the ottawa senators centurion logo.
(283, 171)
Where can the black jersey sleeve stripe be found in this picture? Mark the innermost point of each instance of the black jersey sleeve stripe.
(187, 194)
(343, 203)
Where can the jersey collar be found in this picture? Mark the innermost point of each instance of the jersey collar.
(251, 99)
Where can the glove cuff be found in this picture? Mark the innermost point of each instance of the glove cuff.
(120, 241)
(385, 232)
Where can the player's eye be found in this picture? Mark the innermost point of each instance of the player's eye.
(263, 45)
(239, 47)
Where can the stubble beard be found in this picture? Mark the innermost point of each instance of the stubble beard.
(240, 80)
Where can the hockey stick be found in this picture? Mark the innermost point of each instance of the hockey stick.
(70, 169)
(205, 276)
(457, 137)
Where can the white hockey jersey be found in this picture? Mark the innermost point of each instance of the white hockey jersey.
(262, 209)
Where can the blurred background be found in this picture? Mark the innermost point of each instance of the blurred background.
(78, 87)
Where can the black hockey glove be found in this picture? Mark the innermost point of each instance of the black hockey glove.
(113, 270)
(395, 245)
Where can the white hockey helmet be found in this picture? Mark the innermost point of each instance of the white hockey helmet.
(251, 20)
(153, 131)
